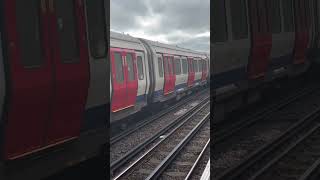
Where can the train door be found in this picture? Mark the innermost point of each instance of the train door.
(168, 85)
(261, 38)
(191, 72)
(204, 70)
(131, 77)
(30, 75)
(71, 69)
(124, 79)
(302, 35)
(184, 63)
(196, 70)
(172, 72)
(119, 85)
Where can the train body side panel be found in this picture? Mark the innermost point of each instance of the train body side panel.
(158, 68)
(142, 79)
(96, 111)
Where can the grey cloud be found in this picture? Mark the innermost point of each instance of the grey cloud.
(187, 16)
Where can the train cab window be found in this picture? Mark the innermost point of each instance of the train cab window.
(288, 20)
(140, 68)
(177, 66)
(66, 25)
(119, 67)
(129, 60)
(185, 66)
(96, 28)
(160, 66)
(275, 16)
(220, 31)
(28, 29)
(239, 19)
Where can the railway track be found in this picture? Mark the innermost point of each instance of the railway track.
(200, 163)
(298, 161)
(235, 150)
(260, 158)
(166, 149)
(235, 127)
(125, 150)
(136, 126)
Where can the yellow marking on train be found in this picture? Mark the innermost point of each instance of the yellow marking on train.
(122, 108)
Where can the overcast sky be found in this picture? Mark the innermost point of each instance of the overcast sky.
(185, 23)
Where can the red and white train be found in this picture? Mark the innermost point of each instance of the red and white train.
(145, 72)
(54, 100)
(255, 42)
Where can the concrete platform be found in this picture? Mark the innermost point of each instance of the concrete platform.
(206, 172)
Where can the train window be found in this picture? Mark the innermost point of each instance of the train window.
(177, 66)
(239, 19)
(140, 68)
(199, 65)
(195, 66)
(66, 25)
(96, 28)
(119, 67)
(160, 67)
(191, 66)
(288, 16)
(262, 14)
(276, 17)
(171, 65)
(129, 60)
(220, 31)
(184, 66)
(307, 17)
(203, 65)
(28, 29)
(165, 65)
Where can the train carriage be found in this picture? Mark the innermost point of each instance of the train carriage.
(175, 64)
(53, 85)
(129, 75)
(258, 42)
(146, 72)
(231, 46)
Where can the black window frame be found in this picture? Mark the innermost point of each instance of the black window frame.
(160, 67)
(90, 39)
(217, 17)
(142, 66)
(116, 68)
(240, 29)
(24, 39)
(276, 24)
(177, 66)
(185, 68)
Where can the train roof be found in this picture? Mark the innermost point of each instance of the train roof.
(171, 49)
(125, 41)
